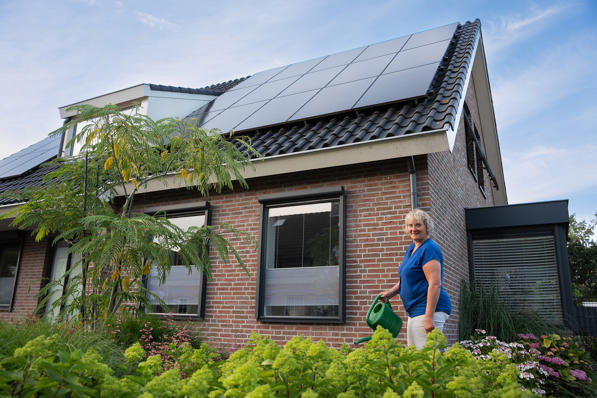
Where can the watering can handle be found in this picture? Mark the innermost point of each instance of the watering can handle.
(373, 305)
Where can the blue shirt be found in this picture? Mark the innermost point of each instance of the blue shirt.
(414, 285)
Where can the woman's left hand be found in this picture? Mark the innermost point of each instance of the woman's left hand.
(429, 325)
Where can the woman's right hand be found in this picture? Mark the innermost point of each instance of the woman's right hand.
(385, 296)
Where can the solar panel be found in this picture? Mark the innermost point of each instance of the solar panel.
(383, 48)
(298, 69)
(259, 78)
(418, 56)
(390, 71)
(410, 83)
(30, 157)
(232, 117)
(312, 81)
(361, 70)
(431, 36)
(334, 99)
(276, 109)
(267, 91)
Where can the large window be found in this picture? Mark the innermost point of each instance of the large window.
(301, 272)
(10, 252)
(183, 293)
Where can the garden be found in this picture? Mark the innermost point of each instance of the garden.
(145, 356)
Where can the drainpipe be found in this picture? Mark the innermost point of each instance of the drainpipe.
(410, 162)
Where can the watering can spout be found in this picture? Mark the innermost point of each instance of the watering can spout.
(382, 314)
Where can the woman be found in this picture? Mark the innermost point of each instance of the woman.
(420, 282)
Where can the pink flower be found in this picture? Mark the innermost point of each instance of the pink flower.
(579, 374)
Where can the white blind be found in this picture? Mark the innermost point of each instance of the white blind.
(524, 270)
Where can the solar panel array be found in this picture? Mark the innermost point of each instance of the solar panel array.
(393, 70)
(30, 157)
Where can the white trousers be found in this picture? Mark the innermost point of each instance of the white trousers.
(415, 329)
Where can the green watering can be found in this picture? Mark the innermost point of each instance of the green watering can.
(382, 314)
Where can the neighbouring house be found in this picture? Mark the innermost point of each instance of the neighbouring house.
(351, 143)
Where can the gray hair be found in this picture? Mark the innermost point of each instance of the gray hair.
(420, 215)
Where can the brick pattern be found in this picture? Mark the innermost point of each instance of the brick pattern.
(378, 197)
(35, 259)
(452, 188)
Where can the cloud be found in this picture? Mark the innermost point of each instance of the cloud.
(119, 6)
(154, 22)
(88, 2)
(513, 28)
(547, 173)
(560, 72)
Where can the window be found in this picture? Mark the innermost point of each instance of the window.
(301, 258)
(183, 293)
(10, 253)
(63, 262)
(524, 269)
(475, 157)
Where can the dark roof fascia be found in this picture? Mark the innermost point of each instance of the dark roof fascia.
(517, 215)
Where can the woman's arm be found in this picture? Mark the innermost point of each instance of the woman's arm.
(390, 293)
(433, 273)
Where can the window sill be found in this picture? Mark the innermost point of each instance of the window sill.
(177, 317)
(482, 191)
(302, 319)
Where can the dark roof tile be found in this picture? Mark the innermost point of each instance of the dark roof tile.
(433, 112)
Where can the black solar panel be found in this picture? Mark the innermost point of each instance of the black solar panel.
(30, 157)
(394, 70)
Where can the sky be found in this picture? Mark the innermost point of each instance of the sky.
(541, 57)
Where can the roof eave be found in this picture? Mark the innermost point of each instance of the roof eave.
(336, 156)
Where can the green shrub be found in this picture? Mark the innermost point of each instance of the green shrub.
(482, 308)
(302, 368)
(69, 336)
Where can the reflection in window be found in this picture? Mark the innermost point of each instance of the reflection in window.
(181, 291)
(9, 258)
(302, 260)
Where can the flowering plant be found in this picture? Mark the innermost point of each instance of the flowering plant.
(548, 365)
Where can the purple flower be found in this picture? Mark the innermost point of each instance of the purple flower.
(554, 360)
(579, 374)
(534, 345)
(546, 370)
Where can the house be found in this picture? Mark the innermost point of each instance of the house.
(351, 143)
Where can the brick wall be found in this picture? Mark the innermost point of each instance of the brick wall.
(35, 259)
(452, 187)
(378, 197)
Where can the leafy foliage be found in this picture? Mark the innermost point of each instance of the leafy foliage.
(582, 256)
(483, 308)
(123, 152)
(548, 365)
(302, 368)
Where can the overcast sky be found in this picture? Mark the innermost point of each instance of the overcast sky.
(542, 60)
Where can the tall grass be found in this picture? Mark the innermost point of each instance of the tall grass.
(482, 308)
(71, 336)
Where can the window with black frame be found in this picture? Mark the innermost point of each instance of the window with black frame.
(183, 293)
(302, 258)
(9, 264)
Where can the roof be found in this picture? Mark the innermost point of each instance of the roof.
(439, 108)
(17, 184)
(214, 89)
(21, 169)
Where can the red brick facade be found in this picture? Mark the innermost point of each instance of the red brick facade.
(378, 197)
(35, 259)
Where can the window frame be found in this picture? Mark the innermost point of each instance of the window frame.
(12, 238)
(178, 210)
(305, 196)
(475, 158)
